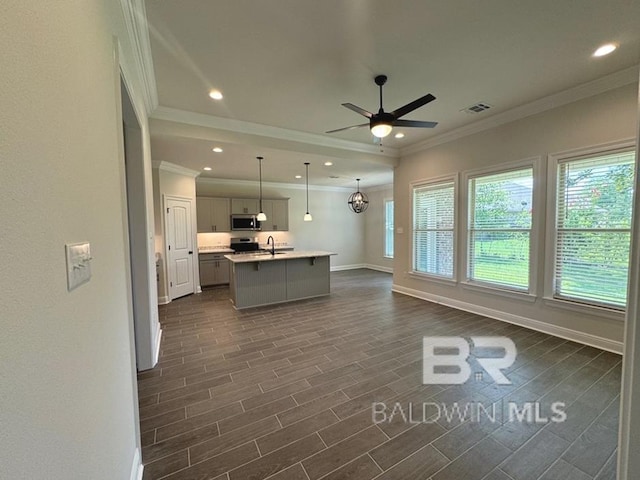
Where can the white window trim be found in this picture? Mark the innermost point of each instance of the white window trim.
(535, 241)
(553, 160)
(456, 209)
(384, 222)
(585, 308)
(497, 290)
(430, 277)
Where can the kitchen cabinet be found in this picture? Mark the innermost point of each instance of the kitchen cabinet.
(277, 212)
(244, 205)
(213, 214)
(214, 269)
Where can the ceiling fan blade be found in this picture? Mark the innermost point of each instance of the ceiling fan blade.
(410, 107)
(347, 128)
(414, 123)
(357, 109)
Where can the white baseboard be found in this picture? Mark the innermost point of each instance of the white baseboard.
(340, 268)
(198, 289)
(156, 353)
(379, 268)
(136, 467)
(555, 330)
(163, 300)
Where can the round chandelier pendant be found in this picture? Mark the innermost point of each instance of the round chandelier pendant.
(358, 201)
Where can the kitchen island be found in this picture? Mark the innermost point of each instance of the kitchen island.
(264, 278)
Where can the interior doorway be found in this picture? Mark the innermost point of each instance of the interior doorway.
(140, 239)
(179, 242)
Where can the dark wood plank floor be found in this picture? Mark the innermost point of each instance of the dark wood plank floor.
(287, 392)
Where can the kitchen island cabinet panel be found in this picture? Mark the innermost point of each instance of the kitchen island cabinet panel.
(307, 277)
(264, 279)
(258, 283)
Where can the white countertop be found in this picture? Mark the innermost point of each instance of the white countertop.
(267, 257)
(227, 249)
(218, 250)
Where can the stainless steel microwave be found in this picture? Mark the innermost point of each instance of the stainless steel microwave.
(245, 222)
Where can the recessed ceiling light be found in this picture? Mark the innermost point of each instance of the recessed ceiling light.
(298, 176)
(605, 50)
(328, 164)
(217, 150)
(400, 135)
(215, 94)
(208, 169)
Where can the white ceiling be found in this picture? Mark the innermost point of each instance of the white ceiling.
(285, 67)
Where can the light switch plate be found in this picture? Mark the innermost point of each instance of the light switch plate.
(78, 264)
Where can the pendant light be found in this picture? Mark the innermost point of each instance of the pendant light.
(358, 201)
(261, 216)
(307, 216)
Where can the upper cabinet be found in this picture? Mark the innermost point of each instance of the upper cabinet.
(277, 212)
(244, 205)
(213, 214)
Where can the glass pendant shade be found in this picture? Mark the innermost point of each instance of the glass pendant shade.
(308, 217)
(261, 217)
(381, 130)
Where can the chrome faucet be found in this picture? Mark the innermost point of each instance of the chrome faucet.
(272, 242)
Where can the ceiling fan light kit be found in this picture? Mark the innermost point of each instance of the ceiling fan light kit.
(381, 129)
(381, 124)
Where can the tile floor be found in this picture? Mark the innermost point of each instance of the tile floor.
(287, 392)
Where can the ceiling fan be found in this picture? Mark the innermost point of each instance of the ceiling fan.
(381, 123)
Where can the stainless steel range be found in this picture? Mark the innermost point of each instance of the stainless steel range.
(244, 244)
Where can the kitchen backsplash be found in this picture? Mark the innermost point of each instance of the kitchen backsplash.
(282, 239)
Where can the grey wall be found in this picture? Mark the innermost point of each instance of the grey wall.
(603, 118)
(68, 400)
(374, 228)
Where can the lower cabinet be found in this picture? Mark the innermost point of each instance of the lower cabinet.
(214, 270)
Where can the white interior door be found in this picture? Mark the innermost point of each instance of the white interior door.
(179, 247)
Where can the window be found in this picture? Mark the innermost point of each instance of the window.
(500, 219)
(388, 228)
(433, 228)
(593, 228)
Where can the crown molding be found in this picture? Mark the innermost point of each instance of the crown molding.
(135, 18)
(249, 128)
(173, 168)
(589, 89)
(253, 183)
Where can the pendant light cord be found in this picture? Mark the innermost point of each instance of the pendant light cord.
(307, 165)
(260, 163)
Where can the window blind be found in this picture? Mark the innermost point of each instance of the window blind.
(433, 228)
(500, 218)
(593, 229)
